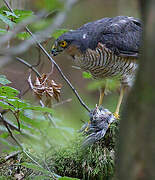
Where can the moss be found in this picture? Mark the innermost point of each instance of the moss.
(94, 162)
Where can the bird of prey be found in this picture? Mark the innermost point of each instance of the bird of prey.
(106, 48)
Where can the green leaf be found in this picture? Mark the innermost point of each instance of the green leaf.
(10, 14)
(39, 108)
(4, 80)
(17, 103)
(2, 9)
(5, 105)
(16, 16)
(86, 75)
(59, 32)
(30, 121)
(67, 178)
(6, 20)
(8, 91)
(23, 35)
(35, 167)
(22, 15)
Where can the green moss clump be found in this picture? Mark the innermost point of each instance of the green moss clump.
(93, 162)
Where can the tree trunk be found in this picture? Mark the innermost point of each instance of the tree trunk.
(136, 151)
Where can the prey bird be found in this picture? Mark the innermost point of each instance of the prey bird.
(106, 48)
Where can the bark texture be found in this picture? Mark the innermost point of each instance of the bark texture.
(136, 150)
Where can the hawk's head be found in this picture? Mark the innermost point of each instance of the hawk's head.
(73, 42)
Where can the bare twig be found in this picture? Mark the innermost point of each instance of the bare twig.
(29, 66)
(16, 115)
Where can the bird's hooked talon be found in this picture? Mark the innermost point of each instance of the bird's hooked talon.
(116, 115)
(87, 128)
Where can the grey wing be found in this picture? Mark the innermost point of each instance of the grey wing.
(122, 35)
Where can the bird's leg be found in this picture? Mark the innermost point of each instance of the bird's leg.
(102, 92)
(116, 113)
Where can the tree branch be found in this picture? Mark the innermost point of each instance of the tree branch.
(29, 66)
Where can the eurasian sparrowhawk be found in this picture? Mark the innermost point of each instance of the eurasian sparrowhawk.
(105, 48)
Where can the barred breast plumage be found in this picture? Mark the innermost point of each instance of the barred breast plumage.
(106, 48)
(103, 63)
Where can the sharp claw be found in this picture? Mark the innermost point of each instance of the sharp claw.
(87, 128)
(116, 115)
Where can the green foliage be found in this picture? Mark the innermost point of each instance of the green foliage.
(16, 16)
(6, 20)
(10, 14)
(86, 75)
(11, 18)
(23, 35)
(21, 15)
(22, 110)
(59, 32)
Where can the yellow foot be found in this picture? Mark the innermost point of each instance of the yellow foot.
(116, 115)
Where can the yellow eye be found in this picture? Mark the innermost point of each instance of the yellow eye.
(63, 44)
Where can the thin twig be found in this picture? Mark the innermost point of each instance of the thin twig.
(29, 66)
(17, 118)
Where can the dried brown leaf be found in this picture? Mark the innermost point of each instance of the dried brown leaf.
(44, 86)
